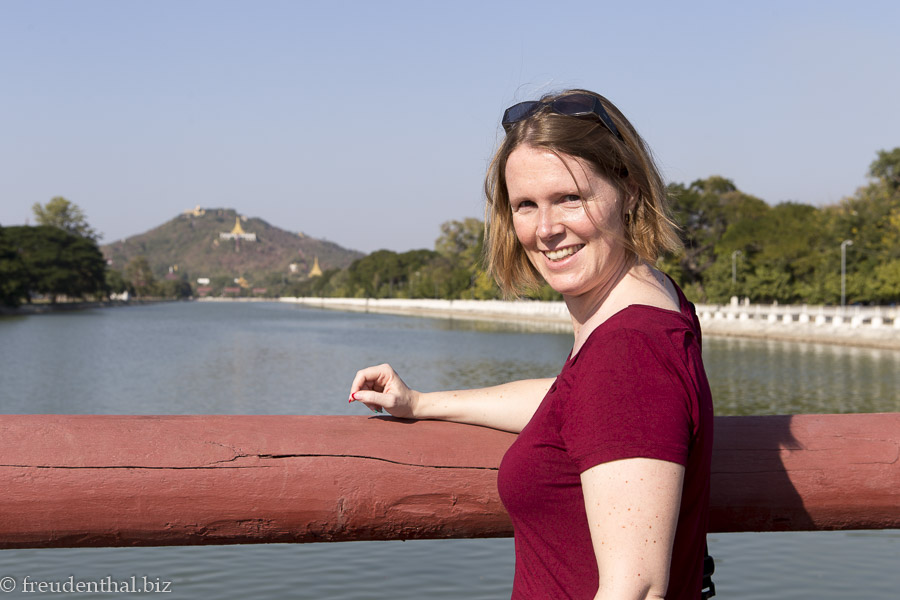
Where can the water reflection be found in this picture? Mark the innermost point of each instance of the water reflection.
(483, 374)
(493, 326)
(755, 377)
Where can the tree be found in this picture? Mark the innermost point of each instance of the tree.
(65, 215)
(462, 242)
(115, 282)
(140, 277)
(704, 211)
(886, 168)
(461, 239)
(484, 287)
(13, 275)
(175, 288)
(887, 281)
(59, 263)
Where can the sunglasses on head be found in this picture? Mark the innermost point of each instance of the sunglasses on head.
(580, 106)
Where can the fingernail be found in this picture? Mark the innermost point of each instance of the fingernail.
(352, 397)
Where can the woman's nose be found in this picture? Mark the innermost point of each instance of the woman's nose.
(549, 223)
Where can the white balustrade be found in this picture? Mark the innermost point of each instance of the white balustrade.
(773, 315)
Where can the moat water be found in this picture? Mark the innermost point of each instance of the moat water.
(269, 358)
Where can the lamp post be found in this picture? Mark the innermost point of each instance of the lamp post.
(844, 245)
(734, 256)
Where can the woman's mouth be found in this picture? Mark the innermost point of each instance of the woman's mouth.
(557, 255)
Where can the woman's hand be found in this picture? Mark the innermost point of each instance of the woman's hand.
(381, 388)
(508, 406)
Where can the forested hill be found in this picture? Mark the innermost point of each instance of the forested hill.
(191, 242)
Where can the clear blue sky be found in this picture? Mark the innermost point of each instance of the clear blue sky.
(370, 123)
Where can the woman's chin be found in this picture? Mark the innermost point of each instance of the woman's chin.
(566, 288)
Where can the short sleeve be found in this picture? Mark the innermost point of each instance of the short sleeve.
(626, 399)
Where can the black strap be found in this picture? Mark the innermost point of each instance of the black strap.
(708, 590)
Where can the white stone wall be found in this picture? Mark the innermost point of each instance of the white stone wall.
(877, 317)
(550, 311)
(856, 325)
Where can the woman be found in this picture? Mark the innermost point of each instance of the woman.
(607, 484)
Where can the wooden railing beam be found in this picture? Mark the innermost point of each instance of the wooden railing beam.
(104, 480)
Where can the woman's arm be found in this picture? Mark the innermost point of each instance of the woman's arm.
(508, 406)
(632, 509)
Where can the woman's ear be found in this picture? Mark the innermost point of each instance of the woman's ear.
(632, 192)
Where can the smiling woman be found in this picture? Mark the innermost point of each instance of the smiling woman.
(617, 156)
(607, 484)
(566, 218)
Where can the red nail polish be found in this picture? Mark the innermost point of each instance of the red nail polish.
(352, 396)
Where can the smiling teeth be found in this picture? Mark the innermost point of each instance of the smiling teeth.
(562, 253)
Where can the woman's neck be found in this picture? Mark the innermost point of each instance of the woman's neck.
(592, 308)
(635, 282)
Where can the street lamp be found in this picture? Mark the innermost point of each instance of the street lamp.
(844, 245)
(734, 256)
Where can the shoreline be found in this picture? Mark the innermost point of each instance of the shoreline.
(42, 309)
(805, 334)
(553, 317)
(780, 323)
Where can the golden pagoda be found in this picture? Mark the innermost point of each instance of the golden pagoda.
(315, 271)
(238, 233)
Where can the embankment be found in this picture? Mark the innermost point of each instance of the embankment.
(46, 307)
(875, 327)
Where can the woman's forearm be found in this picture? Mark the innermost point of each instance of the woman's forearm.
(508, 406)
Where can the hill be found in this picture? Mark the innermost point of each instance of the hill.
(191, 244)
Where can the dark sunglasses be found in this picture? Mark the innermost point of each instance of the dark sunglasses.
(580, 106)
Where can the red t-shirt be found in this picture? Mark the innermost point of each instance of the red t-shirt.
(637, 388)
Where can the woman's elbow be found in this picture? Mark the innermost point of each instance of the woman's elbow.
(634, 590)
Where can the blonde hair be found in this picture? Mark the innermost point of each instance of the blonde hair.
(626, 163)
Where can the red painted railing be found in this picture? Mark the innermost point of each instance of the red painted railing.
(88, 480)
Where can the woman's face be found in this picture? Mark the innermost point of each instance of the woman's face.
(574, 242)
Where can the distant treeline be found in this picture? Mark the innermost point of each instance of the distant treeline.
(734, 245)
(50, 263)
(46, 260)
(59, 260)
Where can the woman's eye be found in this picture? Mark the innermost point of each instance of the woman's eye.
(524, 204)
(571, 198)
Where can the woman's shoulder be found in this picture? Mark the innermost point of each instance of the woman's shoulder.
(654, 301)
(647, 286)
(636, 328)
(636, 338)
(640, 325)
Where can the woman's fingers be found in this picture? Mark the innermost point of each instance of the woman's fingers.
(380, 388)
(372, 378)
(374, 401)
(379, 400)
